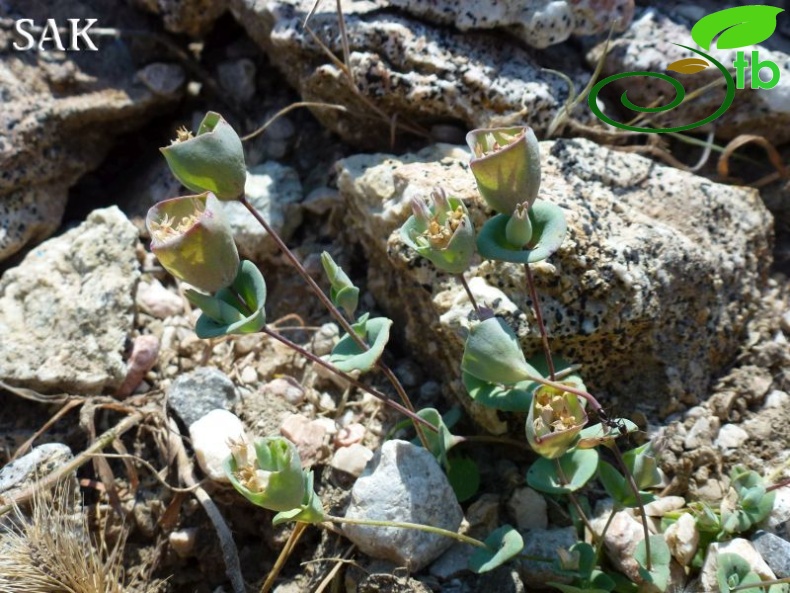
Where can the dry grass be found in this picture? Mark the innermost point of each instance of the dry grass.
(51, 551)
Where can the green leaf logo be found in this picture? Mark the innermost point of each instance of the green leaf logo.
(736, 27)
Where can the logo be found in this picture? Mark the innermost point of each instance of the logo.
(737, 27)
(49, 36)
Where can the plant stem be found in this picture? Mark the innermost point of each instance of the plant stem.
(629, 477)
(329, 366)
(416, 526)
(544, 338)
(335, 312)
(575, 501)
(469, 294)
(293, 539)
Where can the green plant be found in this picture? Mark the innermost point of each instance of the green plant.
(194, 243)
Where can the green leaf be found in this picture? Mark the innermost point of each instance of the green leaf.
(737, 27)
(348, 356)
(464, 477)
(617, 487)
(578, 467)
(492, 353)
(733, 571)
(503, 544)
(441, 441)
(515, 398)
(660, 557)
(548, 233)
(225, 314)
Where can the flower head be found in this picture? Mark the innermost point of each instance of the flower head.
(506, 166)
(555, 420)
(193, 241)
(212, 160)
(442, 234)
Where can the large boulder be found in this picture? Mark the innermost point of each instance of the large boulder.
(66, 311)
(62, 109)
(423, 73)
(650, 291)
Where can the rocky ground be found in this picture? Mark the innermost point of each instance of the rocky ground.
(670, 290)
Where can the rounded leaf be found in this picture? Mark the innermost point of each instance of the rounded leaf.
(492, 353)
(578, 468)
(503, 544)
(224, 314)
(348, 356)
(736, 27)
(548, 233)
(513, 398)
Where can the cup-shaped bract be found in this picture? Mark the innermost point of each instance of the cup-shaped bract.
(212, 160)
(273, 478)
(506, 166)
(555, 419)
(192, 239)
(492, 354)
(442, 234)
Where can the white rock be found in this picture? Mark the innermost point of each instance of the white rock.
(153, 298)
(403, 483)
(777, 399)
(210, 435)
(183, 541)
(663, 505)
(682, 537)
(249, 375)
(528, 508)
(742, 548)
(351, 459)
(731, 436)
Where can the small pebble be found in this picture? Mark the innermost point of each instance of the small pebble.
(348, 435)
(775, 551)
(308, 436)
(682, 537)
(210, 436)
(183, 541)
(739, 546)
(731, 436)
(286, 388)
(528, 508)
(145, 354)
(351, 459)
(249, 375)
(158, 302)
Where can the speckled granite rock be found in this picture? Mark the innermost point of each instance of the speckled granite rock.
(540, 23)
(192, 17)
(61, 110)
(648, 45)
(650, 291)
(67, 309)
(423, 73)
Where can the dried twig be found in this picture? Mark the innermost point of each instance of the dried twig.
(186, 474)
